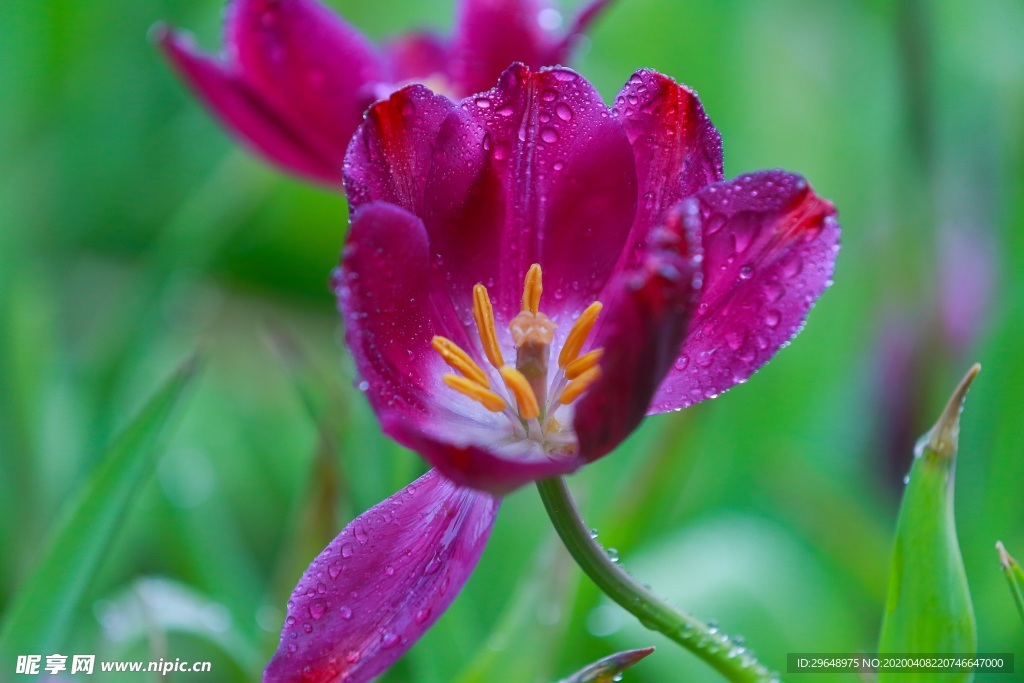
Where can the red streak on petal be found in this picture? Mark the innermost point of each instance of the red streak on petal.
(805, 217)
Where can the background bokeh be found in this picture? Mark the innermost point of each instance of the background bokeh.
(133, 232)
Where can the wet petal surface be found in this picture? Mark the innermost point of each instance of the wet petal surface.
(377, 588)
(390, 154)
(769, 247)
(678, 151)
(647, 314)
(535, 170)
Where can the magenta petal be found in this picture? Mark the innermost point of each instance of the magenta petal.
(305, 60)
(389, 155)
(492, 34)
(275, 134)
(417, 56)
(390, 315)
(770, 246)
(382, 583)
(647, 310)
(471, 465)
(678, 151)
(532, 171)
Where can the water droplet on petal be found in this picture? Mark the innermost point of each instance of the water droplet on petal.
(549, 135)
(347, 550)
(563, 111)
(334, 569)
(317, 609)
(772, 318)
(422, 615)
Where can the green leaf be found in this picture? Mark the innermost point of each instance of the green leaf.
(42, 609)
(929, 606)
(1014, 576)
(609, 668)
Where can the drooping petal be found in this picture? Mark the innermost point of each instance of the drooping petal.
(382, 583)
(532, 171)
(678, 151)
(647, 312)
(307, 61)
(277, 135)
(770, 245)
(389, 310)
(390, 154)
(417, 56)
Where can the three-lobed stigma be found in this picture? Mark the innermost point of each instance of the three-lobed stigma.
(528, 393)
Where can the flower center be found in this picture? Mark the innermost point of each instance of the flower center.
(530, 396)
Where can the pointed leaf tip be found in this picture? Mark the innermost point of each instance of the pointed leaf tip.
(942, 439)
(609, 668)
(1004, 557)
(1014, 576)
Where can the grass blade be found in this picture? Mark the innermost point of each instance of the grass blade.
(929, 607)
(41, 610)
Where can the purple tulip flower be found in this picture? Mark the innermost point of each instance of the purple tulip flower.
(295, 78)
(527, 274)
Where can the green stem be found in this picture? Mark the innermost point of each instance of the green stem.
(714, 647)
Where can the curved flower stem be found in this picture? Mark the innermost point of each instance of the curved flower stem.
(707, 642)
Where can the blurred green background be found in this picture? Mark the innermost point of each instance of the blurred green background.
(133, 231)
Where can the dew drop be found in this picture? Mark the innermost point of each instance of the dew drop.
(772, 318)
(352, 657)
(334, 569)
(746, 272)
(704, 358)
(791, 265)
(422, 615)
(682, 362)
(344, 612)
(388, 640)
(347, 550)
(317, 609)
(360, 533)
(483, 103)
(549, 135)
(563, 111)
(773, 291)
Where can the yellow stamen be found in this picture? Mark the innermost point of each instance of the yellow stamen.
(459, 360)
(578, 334)
(588, 360)
(521, 389)
(531, 289)
(483, 313)
(468, 387)
(581, 384)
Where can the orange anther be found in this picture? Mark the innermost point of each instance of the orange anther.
(483, 313)
(521, 389)
(578, 334)
(579, 385)
(459, 360)
(468, 387)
